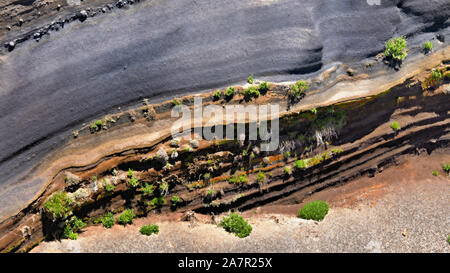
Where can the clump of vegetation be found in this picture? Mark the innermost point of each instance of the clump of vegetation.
(446, 168)
(260, 177)
(133, 181)
(336, 151)
(435, 77)
(59, 205)
(176, 102)
(435, 173)
(237, 225)
(300, 164)
(229, 93)
(287, 170)
(109, 187)
(72, 227)
(263, 87)
(175, 200)
(395, 126)
(251, 92)
(298, 89)
(126, 217)
(148, 189)
(396, 49)
(250, 79)
(217, 95)
(315, 210)
(158, 201)
(428, 46)
(149, 230)
(238, 179)
(108, 220)
(211, 192)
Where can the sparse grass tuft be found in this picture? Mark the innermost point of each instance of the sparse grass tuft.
(59, 205)
(250, 79)
(435, 173)
(300, 164)
(428, 46)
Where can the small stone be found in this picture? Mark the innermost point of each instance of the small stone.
(11, 45)
(441, 37)
(174, 154)
(20, 21)
(405, 233)
(82, 15)
(8, 28)
(58, 7)
(350, 72)
(81, 194)
(103, 10)
(266, 160)
(194, 143)
(175, 143)
(162, 155)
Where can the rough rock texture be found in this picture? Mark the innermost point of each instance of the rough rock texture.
(87, 68)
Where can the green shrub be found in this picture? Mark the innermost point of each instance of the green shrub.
(395, 126)
(73, 226)
(176, 102)
(300, 164)
(148, 189)
(229, 93)
(211, 192)
(99, 123)
(175, 200)
(110, 187)
(260, 177)
(315, 210)
(126, 217)
(287, 170)
(446, 168)
(108, 220)
(435, 173)
(149, 230)
(263, 87)
(436, 75)
(396, 49)
(238, 179)
(158, 201)
(59, 205)
(94, 127)
(217, 95)
(251, 92)
(250, 79)
(448, 239)
(237, 225)
(298, 89)
(428, 46)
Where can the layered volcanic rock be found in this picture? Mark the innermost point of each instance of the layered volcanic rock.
(80, 61)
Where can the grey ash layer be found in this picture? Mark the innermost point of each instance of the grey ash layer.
(160, 48)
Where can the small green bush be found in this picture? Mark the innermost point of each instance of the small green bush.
(446, 168)
(148, 189)
(300, 164)
(149, 230)
(428, 46)
(315, 210)
(126, 217)
(110, 187)
(175, 200)
(108, 220)
(435, 173)
(298, 89)
(238, 179)
(158, 201)
(176, 102)
(250, 79)
(395, 126)
(229, 93)
(263, 87)
(59, 205)
(237, 225)
(287, 170)
(99, 123)
(73, 226)
(217, 95)
(251, 92)
(396, 49)
(260, 177)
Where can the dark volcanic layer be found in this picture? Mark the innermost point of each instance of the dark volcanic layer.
(163, 47)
